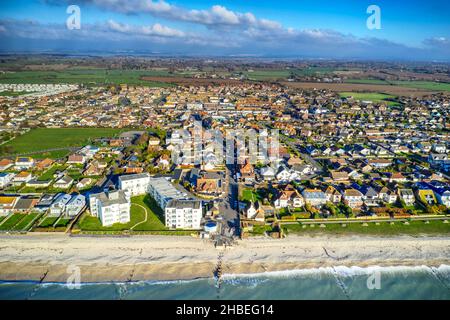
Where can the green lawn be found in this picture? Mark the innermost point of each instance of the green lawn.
(87, 76)
(12, 93)
(384, 228)
(251, 195)
(62, 222)
(370, 96)
(48, 175)
(153, 222)
(48, 222)
(47, 138)
(12, 221)
(25, 221)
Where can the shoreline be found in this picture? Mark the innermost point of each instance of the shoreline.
(46, 258)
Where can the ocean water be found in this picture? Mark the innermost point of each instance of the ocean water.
(419, 282)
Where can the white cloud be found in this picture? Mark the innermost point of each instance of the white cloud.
(154, 30)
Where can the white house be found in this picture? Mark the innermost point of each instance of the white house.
(75, 205)
(111, 207)
(23, 163)
(407, 195)
(59, 205)
(63, 183)
(183, 214)
(5, 179)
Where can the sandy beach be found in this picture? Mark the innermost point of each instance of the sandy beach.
(47, 257)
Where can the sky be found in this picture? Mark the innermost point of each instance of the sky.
(320, 29)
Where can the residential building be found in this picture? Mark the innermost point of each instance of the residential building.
(110, 207)
(183, 214)
(75, 205)
(59, 205)
(163, 191)
(135, 184)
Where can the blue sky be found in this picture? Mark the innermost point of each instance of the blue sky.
(413, 30)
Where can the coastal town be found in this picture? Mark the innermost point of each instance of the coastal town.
(339, 160)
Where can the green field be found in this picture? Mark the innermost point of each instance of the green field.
(48, 222)
(25, 221)
(41, 139)
(87, 76)
(370, 96)
(62, 223)
(137, 215)
(12, 221)
(12, 93)
(276, 74)
(384, 228)
(424, 85)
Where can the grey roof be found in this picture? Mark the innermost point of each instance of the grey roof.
(191, 204)
(134, 176)
(111, 197)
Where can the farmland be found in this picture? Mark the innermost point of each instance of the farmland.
(374, 97)
(41, 139)
(85, 76)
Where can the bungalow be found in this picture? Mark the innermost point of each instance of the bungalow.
(439, 160)
(84, 183)
(370, 196)
(353, 198)
(23, 163)
(22, 177)
(63, 183)
(76, 159)
(267, 173)
(7, 204)
(397, 177)
(339, 176)
(75, 205)
(314, 197)
(38, 183)
(426, 196)
(379, 163)
(59, 205)
(5, 179)
(25, 205)
(5, 164)
(407, 196)
(442, 192)
(44, 164)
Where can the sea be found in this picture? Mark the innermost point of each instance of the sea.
(330, 283)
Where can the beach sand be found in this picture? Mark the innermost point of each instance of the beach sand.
(49, 257)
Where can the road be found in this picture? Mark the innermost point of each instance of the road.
(229, 205)
(307, 158)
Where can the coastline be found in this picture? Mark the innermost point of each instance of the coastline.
(47, 258)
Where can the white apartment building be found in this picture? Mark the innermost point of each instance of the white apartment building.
(183, 214)
(163, 191)
(135, 184)
(111, 207)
